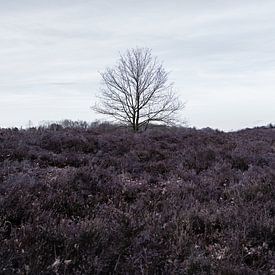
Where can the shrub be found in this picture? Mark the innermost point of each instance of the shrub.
(85, 199)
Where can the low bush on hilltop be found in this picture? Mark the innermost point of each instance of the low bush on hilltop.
(97, 200)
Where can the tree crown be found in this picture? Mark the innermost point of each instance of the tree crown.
(136, 91)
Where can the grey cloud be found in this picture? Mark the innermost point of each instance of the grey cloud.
(218, 52)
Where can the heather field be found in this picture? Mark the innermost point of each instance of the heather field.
(101, 199)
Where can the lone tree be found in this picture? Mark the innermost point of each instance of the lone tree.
(136, 91)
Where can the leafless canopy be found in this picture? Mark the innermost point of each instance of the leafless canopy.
(136, 91)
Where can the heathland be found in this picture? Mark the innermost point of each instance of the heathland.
(101, 199)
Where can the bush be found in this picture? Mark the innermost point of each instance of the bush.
(84, 199)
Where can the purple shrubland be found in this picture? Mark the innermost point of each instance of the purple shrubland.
(102, 199)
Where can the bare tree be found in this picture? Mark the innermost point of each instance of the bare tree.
(136, 91)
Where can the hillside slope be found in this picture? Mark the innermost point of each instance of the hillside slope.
(169, 200)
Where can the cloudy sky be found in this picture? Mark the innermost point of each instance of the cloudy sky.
(221, 55)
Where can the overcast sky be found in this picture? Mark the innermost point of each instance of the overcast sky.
(221, 55)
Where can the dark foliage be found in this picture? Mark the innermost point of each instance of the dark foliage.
(77, 199)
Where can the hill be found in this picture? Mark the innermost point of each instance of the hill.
(97, 200)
